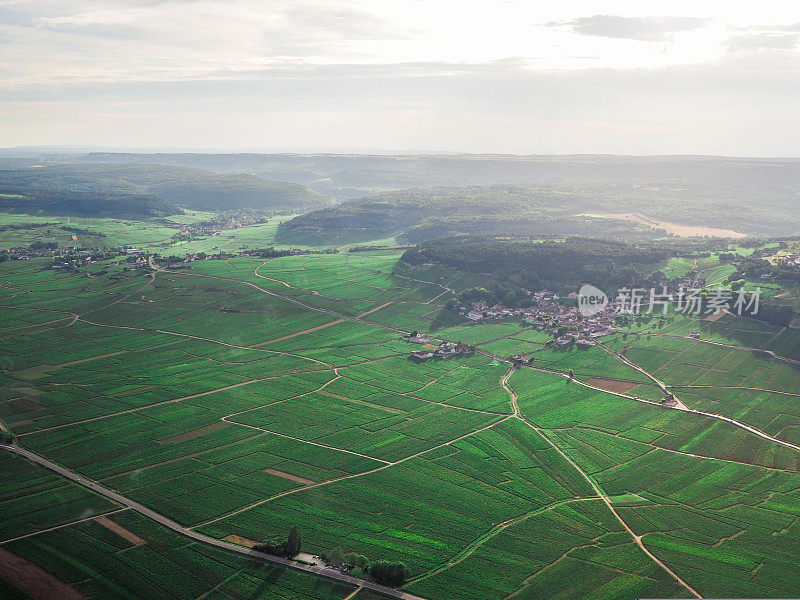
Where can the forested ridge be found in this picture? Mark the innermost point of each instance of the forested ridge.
(143, 191)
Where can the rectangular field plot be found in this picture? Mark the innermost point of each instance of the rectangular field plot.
(365, 426)
(587, 362)
(471, 382)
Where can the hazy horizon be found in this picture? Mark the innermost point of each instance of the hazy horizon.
(88, 149)
(699, 78)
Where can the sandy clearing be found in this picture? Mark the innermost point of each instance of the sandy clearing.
(286, 475)
(33, 580)
(613, 385)
(121, 531)
(669, 227)
(194, 433)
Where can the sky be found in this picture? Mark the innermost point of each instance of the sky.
(493, 76)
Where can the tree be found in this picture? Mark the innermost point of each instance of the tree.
(337, 557)
(288, 548)
(571, 374)
(293, 542)
(389, 573)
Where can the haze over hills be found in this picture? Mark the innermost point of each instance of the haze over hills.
(141, 190)
(419, 197)
(355, 175)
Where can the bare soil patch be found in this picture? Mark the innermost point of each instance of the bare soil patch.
(240, 541)
(613, 385)
(676, 228)
(121, 531)
(33, 580)
(195, 433)
(286, 475)
(716, 316)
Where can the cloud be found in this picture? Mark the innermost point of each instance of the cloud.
(647, 29)
(775, 41)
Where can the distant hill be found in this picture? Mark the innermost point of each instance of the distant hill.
(144, 191)
(428, 196)
(762, 208)
(421, 214)
(348, 176)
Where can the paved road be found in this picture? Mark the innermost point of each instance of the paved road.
(159, 518)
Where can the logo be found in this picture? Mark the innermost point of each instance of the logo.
(591, 300)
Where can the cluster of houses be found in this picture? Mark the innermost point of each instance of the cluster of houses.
(669, 400)
(548, 313)
(432, 350)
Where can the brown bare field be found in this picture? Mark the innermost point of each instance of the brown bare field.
(240, 541)
(716, 316)
(286, 475)
(676, 228)
(121, 531)
(613, 385)
(33, 580)
(194, 433)
(25, 403)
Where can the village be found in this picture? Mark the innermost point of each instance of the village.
(549, 312)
